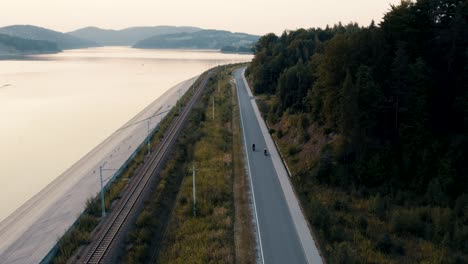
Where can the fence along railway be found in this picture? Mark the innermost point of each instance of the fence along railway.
(127, 208)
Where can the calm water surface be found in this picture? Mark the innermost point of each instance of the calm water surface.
(56, 108)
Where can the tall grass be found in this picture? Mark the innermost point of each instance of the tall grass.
(207, 237)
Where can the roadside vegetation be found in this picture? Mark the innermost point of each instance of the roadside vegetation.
(207, 237)
(167, 231)
(80, 233)
(372, 122)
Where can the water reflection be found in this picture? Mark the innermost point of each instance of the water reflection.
(54, 108)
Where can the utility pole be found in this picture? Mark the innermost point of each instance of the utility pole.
(213, 107)
(103, 205)
(148, 138)
(179, 100)
(194, 192)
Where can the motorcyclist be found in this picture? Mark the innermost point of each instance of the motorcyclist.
(253, 147)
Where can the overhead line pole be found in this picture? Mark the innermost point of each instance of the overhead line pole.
(148, 138)
(142, 120)
(194, 192)
(103, 204)
(179, 100)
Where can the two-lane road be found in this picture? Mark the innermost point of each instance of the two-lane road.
(280, 236)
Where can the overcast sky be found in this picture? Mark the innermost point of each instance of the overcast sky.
(250, 16)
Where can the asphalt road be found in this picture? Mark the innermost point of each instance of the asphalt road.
(279, 234)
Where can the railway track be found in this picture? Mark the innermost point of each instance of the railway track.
(133, 196)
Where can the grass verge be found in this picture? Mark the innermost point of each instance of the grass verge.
(177, 236)
(207, 237)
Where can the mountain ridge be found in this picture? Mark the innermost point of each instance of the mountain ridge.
(204, 39)
(127, 36)
(145, 37)
(17, 46)
(63, 41)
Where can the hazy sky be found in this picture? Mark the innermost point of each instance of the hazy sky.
(250, 16)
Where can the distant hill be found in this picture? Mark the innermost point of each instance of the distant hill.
(15, 45)
(204, 39)
(63, 41)
(237, 49)
(128, 36)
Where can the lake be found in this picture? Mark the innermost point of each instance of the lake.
(56, 108)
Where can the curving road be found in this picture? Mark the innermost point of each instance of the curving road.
(283, 234)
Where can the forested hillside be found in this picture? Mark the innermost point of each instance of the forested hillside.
(62, 40)
(204, 39)
(128, 36)
(374, 124)
(13, 45)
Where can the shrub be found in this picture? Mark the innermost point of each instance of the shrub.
(279, 133)
(362, 222)
(405, 221)
(379, 206)
(344, 253)
(144, 219)
(93, 207)
(87, 222)
(339, 205)
(294, 149)
(385, 244)
(337, 233)
(320, 216)
(442, 224)
(263, 106)
(325, 166)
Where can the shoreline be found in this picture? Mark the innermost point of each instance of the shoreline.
(20, 55)
(48, 214)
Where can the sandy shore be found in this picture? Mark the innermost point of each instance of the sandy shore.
(29, 233)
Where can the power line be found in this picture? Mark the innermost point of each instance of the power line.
(143, 120)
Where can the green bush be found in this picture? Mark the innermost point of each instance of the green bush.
(380, 206)
(93, 207)
(144, 219)
(340, 205)
(404, 221)
(279, 133)
(343, 253)
(325, 166)
(262, 106)
(337, 233)
(294, 149)
(320, 216)
(362, 222)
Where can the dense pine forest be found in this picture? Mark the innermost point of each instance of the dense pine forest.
(374, 123)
